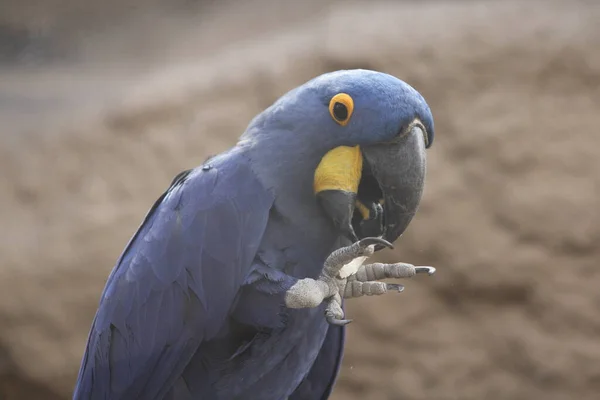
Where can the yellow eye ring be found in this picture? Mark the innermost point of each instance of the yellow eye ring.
(341, 107)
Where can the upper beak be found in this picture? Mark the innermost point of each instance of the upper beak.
(399, 168)
(389, 177)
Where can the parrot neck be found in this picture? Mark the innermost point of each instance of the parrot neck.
(289, 175)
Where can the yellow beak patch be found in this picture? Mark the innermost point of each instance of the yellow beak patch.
(340, 169)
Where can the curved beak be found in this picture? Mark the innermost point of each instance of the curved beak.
(399, 169)
(375, 190)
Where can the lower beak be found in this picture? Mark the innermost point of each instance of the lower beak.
(336, 183)
(399, 168)
(383, 182)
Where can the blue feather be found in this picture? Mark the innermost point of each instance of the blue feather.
(173, 286)
(194, 306)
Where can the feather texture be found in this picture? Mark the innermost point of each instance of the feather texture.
(174, 284)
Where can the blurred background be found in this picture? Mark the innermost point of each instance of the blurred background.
(103, 102)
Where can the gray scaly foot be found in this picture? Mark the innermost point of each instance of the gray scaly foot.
(330, 287)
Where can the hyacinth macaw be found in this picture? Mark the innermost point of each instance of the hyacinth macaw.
(232, 286)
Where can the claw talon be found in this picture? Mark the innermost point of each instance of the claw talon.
(429, 270)
(330, 287)
(366, 242)
(337, 322)
(394, 287)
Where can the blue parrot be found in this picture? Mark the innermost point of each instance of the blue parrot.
(232, 287)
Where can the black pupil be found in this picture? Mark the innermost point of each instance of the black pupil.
(340, 111)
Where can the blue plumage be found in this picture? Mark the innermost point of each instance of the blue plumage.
(175, 283)
(195, 307)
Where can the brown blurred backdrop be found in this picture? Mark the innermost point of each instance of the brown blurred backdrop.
(102, 103)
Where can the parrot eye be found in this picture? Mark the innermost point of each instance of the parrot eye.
(341, 107)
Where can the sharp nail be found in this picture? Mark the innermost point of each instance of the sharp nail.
(395, 286)
(366, 242)
(429, 270)
(338, 322)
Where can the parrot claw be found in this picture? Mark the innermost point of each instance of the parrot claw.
(366, 242)
(365, 281)
(394, 287)
(337, 322)
(331, 287)
(334, 314)
(429, 270)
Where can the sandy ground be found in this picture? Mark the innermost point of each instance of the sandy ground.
(95, 125)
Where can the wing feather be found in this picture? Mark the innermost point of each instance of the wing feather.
(174, 284)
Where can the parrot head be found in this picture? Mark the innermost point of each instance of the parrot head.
(360, 137)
